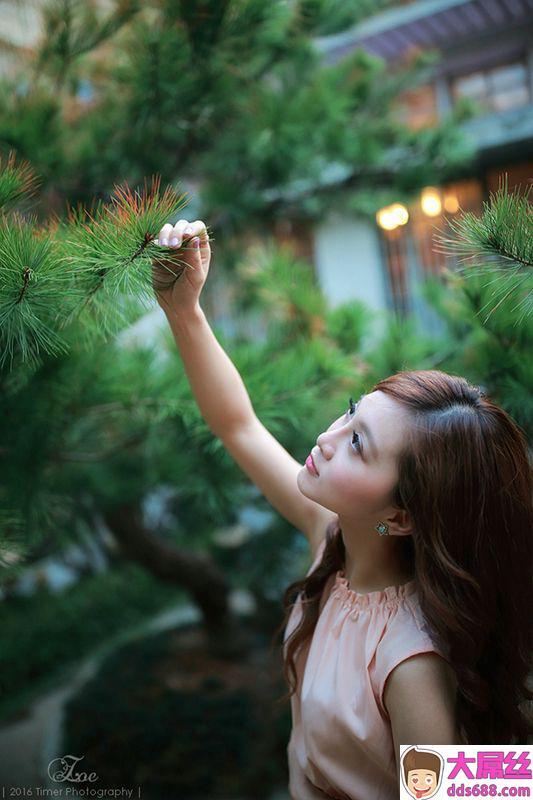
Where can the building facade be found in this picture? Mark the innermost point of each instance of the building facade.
(485, 52)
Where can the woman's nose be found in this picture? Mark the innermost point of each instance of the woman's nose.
(326, 448)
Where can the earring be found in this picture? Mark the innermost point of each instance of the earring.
(382, 528)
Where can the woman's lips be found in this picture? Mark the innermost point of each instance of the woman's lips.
(310, 464)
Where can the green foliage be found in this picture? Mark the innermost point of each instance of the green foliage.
(46, 632)
(273, 280)
(31, 273)
(497, 248)
(494, 350)
(486, 301)
(73, 28)
(225, 94)
(31, 124)
(96, 272)
(109, 425)
(17, 183)
(14, 545)
(327, 17)
(349, 325)
(237, 100)
(504, 228)
(434, 155)
(401, 347)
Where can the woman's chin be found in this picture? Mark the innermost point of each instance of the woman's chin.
(302, 482)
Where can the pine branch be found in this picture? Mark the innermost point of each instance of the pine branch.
(505, 229)
(17, 182)
(91, 271)
(112, 450)
(29, 276)
(497, 247)
(72, 29)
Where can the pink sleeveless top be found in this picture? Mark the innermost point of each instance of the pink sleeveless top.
(341, 742)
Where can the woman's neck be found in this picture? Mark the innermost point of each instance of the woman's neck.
(373, 573)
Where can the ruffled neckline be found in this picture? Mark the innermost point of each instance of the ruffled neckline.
(387, 595)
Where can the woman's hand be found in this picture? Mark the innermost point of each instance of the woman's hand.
(179, 273)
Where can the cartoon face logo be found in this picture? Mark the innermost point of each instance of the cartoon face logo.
(421, 782)
(421, 772)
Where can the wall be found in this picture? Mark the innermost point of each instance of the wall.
(348, 263)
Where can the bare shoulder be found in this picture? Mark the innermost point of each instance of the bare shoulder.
(419, 697)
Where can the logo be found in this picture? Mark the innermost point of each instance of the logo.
(442, 771)
(421, 771)
(62, 769)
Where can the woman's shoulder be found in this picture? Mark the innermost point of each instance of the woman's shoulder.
(413, 607)
(405, 630)
(404, 633)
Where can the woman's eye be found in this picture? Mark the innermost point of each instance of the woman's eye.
(355, 441)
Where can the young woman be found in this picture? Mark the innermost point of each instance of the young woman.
(412, 624)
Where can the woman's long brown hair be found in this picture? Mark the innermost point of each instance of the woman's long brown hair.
(464, 477)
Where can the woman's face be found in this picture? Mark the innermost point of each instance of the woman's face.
(356, 458)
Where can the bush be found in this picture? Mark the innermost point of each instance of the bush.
(168, 718)
(43, 633)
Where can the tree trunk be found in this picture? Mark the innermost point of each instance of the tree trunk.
(195, 572)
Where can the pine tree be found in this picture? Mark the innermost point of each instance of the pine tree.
(89, 427)
(225, 95)
(64, 289)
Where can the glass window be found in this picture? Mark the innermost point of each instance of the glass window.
(473, 85)
(508, 86)
(496, 89)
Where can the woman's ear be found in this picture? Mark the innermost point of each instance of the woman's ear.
(400, 523)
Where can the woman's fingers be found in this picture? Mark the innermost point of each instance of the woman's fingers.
(179, 269)
(164, 234)
(182, 232)
(179, 233)
(200, 230)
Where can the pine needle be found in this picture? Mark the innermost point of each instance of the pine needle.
(496, 247)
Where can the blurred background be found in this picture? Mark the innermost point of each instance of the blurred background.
(332, 147)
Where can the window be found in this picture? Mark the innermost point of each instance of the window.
(497, 89)
(411, 253)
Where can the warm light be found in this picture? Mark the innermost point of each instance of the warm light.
(451, 203)
(430, 202)
(390, 217)
(386, 220)
(400, 212)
